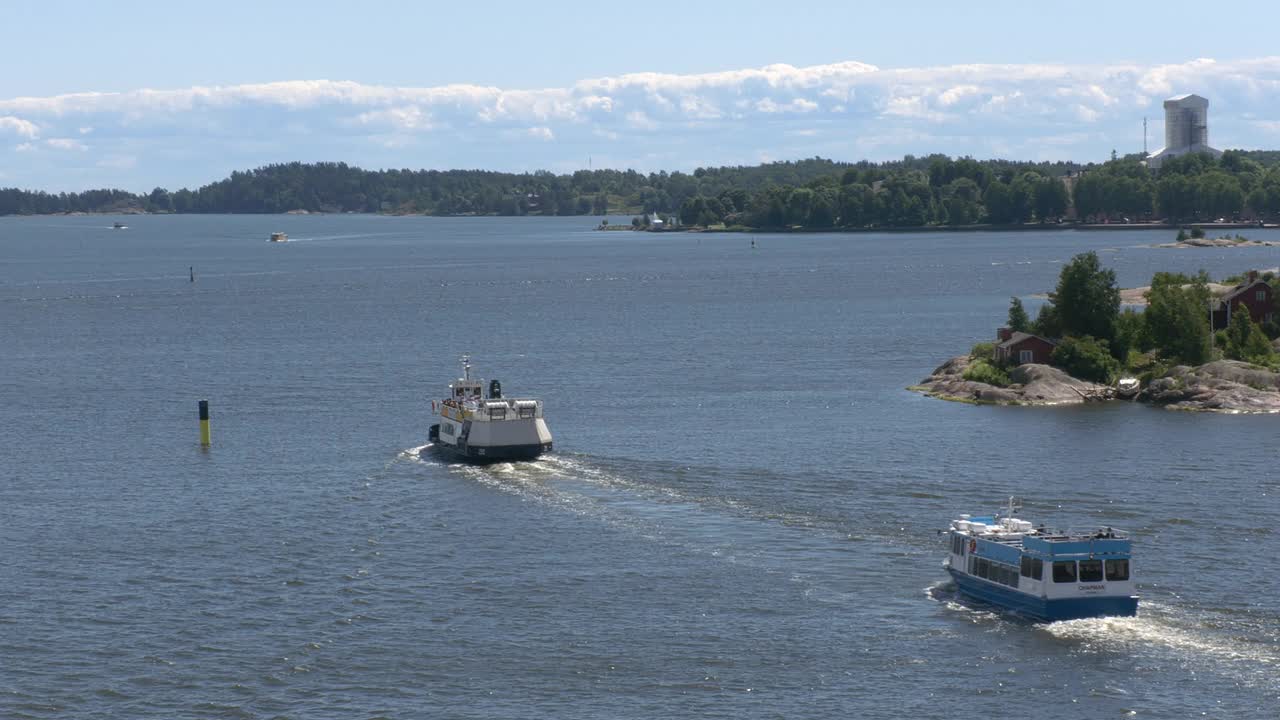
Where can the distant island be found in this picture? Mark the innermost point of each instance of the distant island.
(1196, 238)
(1184, 342)
(816, 194)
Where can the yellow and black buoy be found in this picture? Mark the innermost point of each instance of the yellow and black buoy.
(204, 423)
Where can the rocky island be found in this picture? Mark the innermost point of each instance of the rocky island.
(1194, 345)
(1229, 386)
(1031, 384)
(1196, 239)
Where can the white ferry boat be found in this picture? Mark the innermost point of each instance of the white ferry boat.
(480, 429)
(1043, 574)
(279, 237)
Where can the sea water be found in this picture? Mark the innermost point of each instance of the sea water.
(739, 520)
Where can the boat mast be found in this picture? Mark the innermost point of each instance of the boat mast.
(1014, 505)
(466, 367)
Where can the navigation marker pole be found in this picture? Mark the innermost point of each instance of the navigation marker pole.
(204, 424)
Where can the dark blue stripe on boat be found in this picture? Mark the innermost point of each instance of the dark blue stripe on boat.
(483, 455)
(1040, 609)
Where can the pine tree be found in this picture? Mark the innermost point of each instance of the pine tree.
(1019, 321)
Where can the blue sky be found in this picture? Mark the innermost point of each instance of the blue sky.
(135, 95)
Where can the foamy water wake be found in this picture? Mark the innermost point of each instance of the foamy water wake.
(1157, 629)
(1166, 629)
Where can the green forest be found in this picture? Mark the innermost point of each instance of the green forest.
(808, 194)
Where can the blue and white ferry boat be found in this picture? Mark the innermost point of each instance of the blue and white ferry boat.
(1043, 574)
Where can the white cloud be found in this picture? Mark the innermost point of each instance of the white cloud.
(916, 107)
(1086, 114)
(931, 94)
(699, 108)
(65, 144)
(956, 94)
(18, 126)
(640, 121)
(406, 118)
(983, 110)
(24, 147)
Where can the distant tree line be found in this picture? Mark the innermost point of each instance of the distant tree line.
(1238, 185)
(812, 193)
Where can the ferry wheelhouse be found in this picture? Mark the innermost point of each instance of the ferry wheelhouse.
(477, 428)
(1043, 574)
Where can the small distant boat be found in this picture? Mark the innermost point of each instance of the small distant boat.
(479, 429)
(1043, 574)
(119, 226)
(279, 237)
(1127, 387)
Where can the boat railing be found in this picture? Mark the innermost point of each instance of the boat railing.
(504, 409)
(1072, 534)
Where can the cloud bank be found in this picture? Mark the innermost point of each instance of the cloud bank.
(649, 121)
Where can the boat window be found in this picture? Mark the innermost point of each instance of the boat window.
(1064, 571)
(1025, 566)
(984, 567)
(973, 565)
(1037, 568)
(1090, 571)
(1117, 569)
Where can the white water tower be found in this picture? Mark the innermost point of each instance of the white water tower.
(1186, 129)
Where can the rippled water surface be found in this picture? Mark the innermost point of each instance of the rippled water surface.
(739, 519)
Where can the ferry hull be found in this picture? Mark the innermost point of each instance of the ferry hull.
(487, 455)
(482, 454)
(1041, 609)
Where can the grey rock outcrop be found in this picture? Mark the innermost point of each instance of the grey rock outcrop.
(1031, 385)
(1226, 386)
(1221, 386)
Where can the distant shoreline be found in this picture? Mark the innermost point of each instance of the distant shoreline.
(1029, 227)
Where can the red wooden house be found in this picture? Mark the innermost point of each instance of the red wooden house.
(1018, 348)
(1253, 295)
